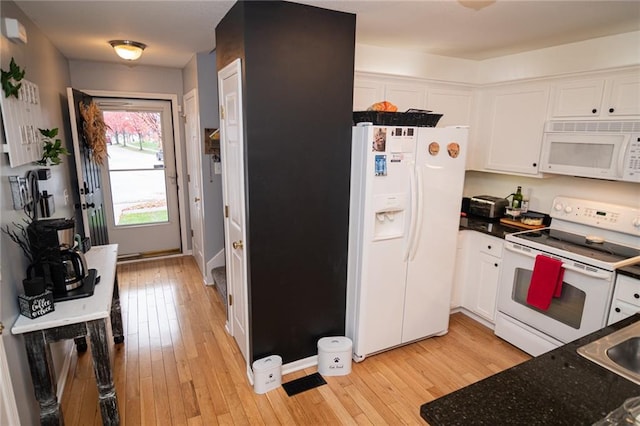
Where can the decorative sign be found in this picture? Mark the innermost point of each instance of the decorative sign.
(36, 306)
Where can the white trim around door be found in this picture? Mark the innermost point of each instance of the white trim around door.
(176, 112)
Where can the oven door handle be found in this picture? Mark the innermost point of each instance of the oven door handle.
(600, 275)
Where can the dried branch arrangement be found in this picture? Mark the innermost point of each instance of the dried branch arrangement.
(95, 131)
(21, 238)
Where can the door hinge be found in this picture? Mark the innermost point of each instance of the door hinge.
(192, 233)
(222, 112)
(1, 328)
(226, 211)
(189, 178)
(230, 300)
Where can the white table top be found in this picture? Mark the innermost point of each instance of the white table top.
(97, 306)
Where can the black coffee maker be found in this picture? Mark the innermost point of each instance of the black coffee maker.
(55, 257)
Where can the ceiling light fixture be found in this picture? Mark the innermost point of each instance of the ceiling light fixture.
(476, 4)
(127, 49)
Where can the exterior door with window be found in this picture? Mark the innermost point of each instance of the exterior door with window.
(139, 175)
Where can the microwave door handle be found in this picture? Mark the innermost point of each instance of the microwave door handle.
(600, 275)
(621, 154)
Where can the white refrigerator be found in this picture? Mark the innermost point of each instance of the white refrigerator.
(406, 192)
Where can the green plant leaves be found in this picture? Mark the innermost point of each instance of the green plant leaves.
(15, 74)
(52, 148)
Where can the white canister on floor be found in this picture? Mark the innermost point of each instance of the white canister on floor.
(334, 356)
(267, 374)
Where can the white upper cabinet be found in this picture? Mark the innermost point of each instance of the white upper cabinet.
(622, 96)
(453, 102)
(601, 98)
(366, 93)
(511, 127)
(405, 96)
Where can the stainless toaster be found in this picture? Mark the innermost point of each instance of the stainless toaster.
(487, 206)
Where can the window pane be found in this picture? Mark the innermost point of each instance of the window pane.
(139, 197)
(135, 140)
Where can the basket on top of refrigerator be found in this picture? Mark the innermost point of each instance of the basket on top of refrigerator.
(385, 113)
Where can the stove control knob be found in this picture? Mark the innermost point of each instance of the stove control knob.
(558, 207)
(568, 209)
(636, 222)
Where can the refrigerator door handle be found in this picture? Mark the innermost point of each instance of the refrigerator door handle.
(414, 208)
(419, 213)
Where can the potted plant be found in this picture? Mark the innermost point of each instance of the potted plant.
(52, 148)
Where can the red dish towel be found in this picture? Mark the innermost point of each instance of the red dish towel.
(546, 282)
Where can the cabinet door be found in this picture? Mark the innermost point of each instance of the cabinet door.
(623, 96)
(487, 276)
(515, 127)
(405, 96)
(578, 98)
(454, 105)
(366, 93)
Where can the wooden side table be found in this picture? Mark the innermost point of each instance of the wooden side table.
(75, 319)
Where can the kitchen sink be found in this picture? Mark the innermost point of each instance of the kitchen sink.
(618, 352)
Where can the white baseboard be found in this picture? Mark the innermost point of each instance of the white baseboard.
(215, 262)
(473, 316)
(300, 364)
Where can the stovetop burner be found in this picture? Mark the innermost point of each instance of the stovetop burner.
(574, 243)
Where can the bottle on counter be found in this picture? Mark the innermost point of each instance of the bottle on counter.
(516, 203)
(525, 201)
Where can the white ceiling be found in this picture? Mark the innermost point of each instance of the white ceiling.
(175, 30)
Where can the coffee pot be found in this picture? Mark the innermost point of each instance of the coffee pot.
(56, 257)
(74, 268)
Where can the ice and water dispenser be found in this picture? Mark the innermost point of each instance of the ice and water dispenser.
(390, 213)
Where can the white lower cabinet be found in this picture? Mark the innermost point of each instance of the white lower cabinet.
(481, 275)
(626, 298)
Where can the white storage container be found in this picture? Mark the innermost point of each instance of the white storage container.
(334, 356)
(267, 374)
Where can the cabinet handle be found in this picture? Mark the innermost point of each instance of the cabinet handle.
(594, 111)
(611, 110)
(636, 295)
(617, 310)
(495, 264)
(535, 164)
(489, 247)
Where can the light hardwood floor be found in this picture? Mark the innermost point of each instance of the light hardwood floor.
(178, 366)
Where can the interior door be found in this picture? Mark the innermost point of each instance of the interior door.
(232, 151)
(194, 164)
(90, 215)
(139, 177)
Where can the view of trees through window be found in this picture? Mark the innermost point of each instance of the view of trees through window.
(136, 167)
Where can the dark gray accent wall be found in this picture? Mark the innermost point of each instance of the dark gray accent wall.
(297, 96)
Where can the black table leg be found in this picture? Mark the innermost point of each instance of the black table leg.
(44, 381)
(81, 344)
(116, 314)
(102, 369)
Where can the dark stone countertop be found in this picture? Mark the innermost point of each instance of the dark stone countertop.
(493, 228)
(557, 388)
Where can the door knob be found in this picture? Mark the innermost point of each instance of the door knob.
(195, 200)
(237, 244)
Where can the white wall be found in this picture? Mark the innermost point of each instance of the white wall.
(544, 190)
(595, 54)
(46, 67)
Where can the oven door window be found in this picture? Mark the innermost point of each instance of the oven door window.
(567, 308)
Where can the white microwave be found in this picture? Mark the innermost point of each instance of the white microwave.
(595, 149)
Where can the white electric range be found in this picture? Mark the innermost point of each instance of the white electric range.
(592, 239)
